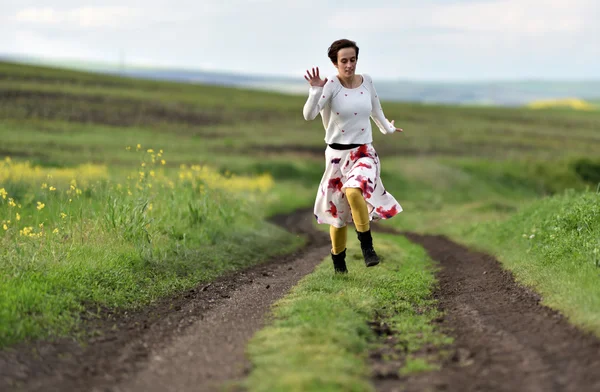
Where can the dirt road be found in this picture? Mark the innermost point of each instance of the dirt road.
(504, 339)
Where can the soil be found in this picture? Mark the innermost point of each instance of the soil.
(106, 110)
(118, 111)
(194, 341)
(504, 339)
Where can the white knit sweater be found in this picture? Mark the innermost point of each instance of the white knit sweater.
(346, 112)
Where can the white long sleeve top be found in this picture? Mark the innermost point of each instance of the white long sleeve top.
(346, 112)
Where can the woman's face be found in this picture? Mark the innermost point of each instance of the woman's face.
(346, 63)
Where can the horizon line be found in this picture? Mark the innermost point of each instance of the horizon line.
(89, 65)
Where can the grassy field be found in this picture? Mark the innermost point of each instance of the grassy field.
(489, 177)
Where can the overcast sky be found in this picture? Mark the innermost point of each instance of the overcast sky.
(398, 39)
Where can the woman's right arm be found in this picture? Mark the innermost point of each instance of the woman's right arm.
(315, 102)
(318, 95)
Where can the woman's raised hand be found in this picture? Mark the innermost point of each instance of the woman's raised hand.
(314, 79)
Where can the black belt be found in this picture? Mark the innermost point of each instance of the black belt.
(337, 146)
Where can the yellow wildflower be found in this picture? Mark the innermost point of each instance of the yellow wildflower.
(11, 202)
(128, 148)
(63, 215)
(3, 193)
(5, 227)
(55, 231)
(152, 173)
(162, 161)
(150, 150)
(18, 217)
(150, 207)
(44, 186)
(40, 205)
(138, 147)
(41, 225)
(52, 189)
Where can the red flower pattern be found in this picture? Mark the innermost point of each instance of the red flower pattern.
(335, 184)
(361, 152)
(366, 188)
(386, 214)
(333, 210)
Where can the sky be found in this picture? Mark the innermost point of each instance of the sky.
(419, 40)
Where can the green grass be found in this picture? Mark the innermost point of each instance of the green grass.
(468, 172)
(319, 338)
(553, 246)
(118, 243)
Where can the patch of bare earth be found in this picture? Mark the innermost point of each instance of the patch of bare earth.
(192, 342)
(101, 109)
(504, 339)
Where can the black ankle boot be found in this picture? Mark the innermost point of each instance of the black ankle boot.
(339, 262)
(366, 245)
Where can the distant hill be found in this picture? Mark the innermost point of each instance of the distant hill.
(508, 93)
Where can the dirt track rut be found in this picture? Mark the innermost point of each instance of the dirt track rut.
(504, 339)
(192, 342)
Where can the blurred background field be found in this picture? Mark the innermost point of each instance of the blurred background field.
(142, 188)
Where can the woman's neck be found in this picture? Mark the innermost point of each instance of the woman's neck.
(347, 82)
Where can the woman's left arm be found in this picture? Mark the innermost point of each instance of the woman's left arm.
(385, 126)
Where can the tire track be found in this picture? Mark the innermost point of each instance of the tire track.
(504, 339)
(193, 342)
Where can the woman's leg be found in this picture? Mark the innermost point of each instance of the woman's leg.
(339, 237)
(360, 211)
(360, 216)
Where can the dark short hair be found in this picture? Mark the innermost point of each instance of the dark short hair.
(336, 46)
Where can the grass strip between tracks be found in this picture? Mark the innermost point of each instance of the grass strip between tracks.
(320, 339)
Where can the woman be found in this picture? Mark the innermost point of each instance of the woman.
(351, 189)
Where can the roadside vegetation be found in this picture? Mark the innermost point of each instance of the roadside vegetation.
(79, 239)
(519, 183)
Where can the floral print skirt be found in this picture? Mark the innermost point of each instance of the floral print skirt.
(355, 168)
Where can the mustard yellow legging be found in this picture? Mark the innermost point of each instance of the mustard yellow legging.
(360, 216)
